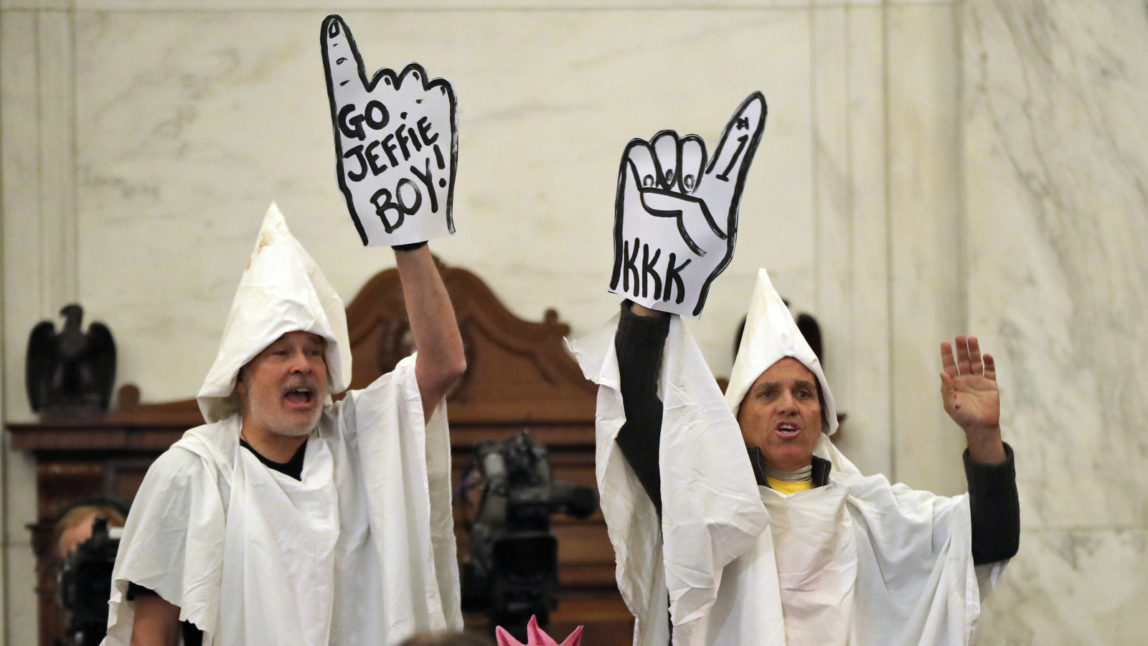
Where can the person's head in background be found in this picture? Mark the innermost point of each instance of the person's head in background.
(74, 526)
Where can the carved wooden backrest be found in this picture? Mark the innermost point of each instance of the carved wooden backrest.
(518, 371)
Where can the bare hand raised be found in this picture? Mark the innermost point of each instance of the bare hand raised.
(970, 395)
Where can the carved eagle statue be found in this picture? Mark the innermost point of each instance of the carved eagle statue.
(71, 372)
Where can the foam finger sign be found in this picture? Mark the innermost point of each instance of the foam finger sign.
(396, 144)
(676, 211)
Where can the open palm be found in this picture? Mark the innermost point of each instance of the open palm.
(969, 385)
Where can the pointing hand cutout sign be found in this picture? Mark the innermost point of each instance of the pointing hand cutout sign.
(396, 144)
(675, 219)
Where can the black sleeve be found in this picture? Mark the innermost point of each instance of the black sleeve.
(135, 590)
(995, 509)
(639, 343)
(192, 636)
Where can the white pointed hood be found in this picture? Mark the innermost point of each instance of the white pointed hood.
(282, 290)
(771, 334)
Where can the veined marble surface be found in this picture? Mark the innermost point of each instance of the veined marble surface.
(1069, 587)
(1056, 237)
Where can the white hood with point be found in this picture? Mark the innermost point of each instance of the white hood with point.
(282, 290)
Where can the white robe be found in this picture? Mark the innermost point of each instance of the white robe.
(361, 550)
(858, 561)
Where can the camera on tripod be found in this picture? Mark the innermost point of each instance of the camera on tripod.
(513, 568)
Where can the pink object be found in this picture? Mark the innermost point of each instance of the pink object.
(535, 636)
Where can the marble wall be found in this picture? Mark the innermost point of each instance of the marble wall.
(1054, 238)
(928, 167)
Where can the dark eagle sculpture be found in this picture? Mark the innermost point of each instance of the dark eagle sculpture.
(70, 373)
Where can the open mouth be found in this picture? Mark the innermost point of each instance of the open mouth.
(788, 431)
(299, 396)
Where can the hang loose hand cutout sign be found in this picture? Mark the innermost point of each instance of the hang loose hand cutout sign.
(675, 219)
(396, 144)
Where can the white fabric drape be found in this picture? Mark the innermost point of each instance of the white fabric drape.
(359, 551)
(859, 561)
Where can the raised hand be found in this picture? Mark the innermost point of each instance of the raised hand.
(970, 395)
(675, 218)
(396, 144)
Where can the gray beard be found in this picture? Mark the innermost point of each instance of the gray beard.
(301, 430)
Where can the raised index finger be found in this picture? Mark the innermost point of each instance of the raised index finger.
(739, 141)
(346, 80)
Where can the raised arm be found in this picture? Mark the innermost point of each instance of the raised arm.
(396, 146)
(970, 395)
(440, 358)
(675, 208)
(639, 343)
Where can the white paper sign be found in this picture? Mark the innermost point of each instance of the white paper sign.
(396, 144)
(675, 219)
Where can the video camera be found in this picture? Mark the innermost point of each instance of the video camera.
(513, 568)
(86, 584)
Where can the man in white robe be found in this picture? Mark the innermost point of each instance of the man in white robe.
(289, 519)
(792, 545)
